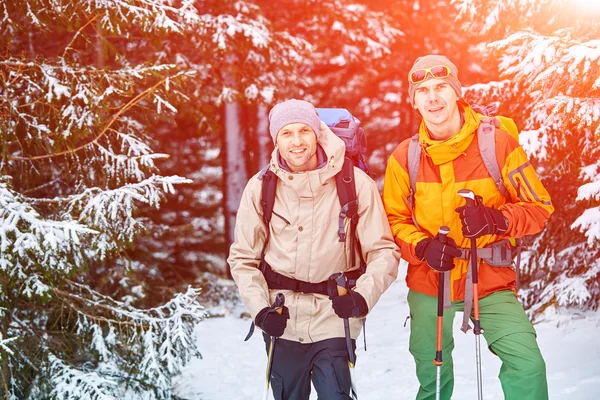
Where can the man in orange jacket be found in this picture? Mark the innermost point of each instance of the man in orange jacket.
(450, 160)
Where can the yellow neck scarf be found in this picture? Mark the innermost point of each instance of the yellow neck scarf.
(442, 151)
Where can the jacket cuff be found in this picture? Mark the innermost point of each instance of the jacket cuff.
(420, 248)
(501, 221)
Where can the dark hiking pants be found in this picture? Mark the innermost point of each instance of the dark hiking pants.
(296, 364)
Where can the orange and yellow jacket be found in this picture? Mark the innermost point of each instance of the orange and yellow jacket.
(446, 167)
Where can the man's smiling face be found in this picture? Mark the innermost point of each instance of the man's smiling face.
(436, 101)
(297, 145)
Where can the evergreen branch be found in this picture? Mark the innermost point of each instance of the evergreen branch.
(77, 34)
(121, 308)
(4, 342)
(105, 130)
(108, 321)
(40, 187)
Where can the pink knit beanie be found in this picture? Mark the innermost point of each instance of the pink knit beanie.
(292, 111)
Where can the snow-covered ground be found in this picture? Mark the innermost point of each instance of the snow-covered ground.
(232, 369)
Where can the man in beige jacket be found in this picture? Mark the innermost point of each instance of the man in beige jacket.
(301, 246)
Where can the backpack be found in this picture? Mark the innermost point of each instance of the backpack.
(347, 127)
(486, 137)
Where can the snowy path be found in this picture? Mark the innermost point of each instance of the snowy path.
(234, 370)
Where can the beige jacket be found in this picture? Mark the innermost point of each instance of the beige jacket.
(308, 247)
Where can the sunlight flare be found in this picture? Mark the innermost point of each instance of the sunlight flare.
(587, 6)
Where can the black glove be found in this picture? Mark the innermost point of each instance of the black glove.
(271, 322)
(481, 220)
(439, 256)
(350, 305)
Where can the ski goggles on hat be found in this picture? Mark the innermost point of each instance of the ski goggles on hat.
(419, 75)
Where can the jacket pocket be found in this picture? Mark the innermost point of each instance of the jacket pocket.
(341, 370)
(278, 223)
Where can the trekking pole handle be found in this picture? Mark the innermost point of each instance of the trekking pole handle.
(443, 233)
(443, 238)
(342, 284)
(469, 196)
(279, 303)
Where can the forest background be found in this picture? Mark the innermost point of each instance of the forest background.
(129, 128)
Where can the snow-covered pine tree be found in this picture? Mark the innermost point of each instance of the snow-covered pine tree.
(77, 116)
(549, 58)
(238, 57)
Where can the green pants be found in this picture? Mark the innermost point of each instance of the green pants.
(507, 330)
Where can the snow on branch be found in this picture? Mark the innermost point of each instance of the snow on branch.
(72, 383)
(483, 93)
(550, 57)
(151, 16)
(228, 26)
(26, 238)
(526, 54)
(538, 60)
(584, 110)
(76, 112)
(557, 72)
(367, 35)
(4, 345)
(485, 16)
(561, 74)
(589, 222)
(112, 212)
(161, 339)
(568, 289)
(590, 173)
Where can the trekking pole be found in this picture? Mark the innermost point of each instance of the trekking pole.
(342, 290)
(279, 302)
(442, 233)
(471, 199)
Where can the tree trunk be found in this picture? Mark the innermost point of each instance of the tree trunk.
(264, 137)
(4, 371)
(235, 174)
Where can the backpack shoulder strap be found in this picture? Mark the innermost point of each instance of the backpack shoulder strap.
(267, 198)
(346, 190)
(486, 137)
(414, 159)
